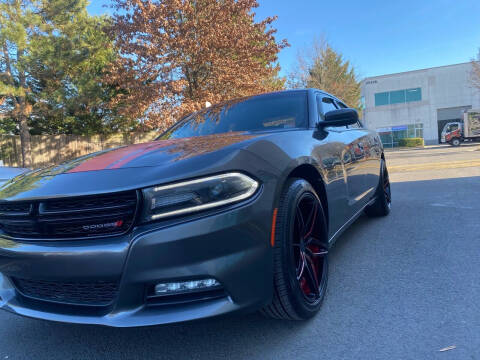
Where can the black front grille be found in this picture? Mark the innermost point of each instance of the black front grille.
(84, 216)
(99, 293)
(15, 208)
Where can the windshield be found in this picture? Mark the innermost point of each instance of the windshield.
(452, 127)
(259, 113)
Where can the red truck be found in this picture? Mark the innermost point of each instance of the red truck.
(457, 132)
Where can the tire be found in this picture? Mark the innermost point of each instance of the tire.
(455, 142)
(295, 295)
(383, 195)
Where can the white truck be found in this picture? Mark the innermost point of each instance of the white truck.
(456, 132)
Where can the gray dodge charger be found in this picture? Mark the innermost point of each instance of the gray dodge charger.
(234, 208)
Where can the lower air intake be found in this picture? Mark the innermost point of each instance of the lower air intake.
(99, 293)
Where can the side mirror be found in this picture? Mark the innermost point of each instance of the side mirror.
(341, 117)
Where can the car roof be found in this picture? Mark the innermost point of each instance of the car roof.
(309, 90)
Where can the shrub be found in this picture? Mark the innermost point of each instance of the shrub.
(411, 142)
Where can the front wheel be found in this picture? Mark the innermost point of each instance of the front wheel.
(300, 254)
(455, 142)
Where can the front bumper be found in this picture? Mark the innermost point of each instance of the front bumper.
(231, 245)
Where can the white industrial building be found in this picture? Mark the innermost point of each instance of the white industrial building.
(418, 103)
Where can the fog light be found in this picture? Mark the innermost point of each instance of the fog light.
(185, 286)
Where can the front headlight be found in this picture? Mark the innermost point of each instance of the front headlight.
(196, 195)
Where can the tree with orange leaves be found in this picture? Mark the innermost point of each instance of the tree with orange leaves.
(176, 55)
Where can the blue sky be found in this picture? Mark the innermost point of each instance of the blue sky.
(378, 37)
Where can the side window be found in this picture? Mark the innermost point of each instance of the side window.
(328, 105)
(358, 125)
(325, 105)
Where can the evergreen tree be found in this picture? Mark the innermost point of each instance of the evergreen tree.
(324, 68)
(52, 57)
(20, 20)
(69, 67)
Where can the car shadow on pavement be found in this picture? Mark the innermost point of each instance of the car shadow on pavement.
(228, 336)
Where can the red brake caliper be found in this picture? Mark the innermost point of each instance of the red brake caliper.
(303, 283)
(304, 286)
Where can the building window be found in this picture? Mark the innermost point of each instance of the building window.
(413, 94)
(398, 97)
(382, 99)
(391, 136)
(419, 130)
(415, 130)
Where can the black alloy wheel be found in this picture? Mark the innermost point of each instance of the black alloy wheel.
(300, 254)
(383, 195)
(387, 191)
(308, 250)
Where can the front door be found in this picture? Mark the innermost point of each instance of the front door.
(355, 158)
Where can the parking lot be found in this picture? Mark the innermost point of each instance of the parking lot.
(401, 287)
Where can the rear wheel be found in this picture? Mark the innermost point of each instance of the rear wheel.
(300, 254)
(383, 196)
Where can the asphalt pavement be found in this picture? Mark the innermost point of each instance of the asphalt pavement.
(401, 287)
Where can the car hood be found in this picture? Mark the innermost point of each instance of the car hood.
(155, 153)
(7, 173)
(131, 167)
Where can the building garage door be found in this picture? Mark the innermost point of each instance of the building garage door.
(449, 115)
